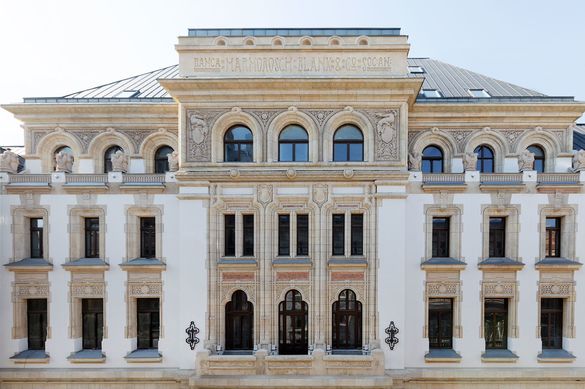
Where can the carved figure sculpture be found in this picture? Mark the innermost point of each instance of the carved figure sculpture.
(119, 162)
(579, 161)
(64, 162)
(526, 161)
(414, 162)
(173, 161)
(198, 128)
(9, 162)
(386, 127)
(470, 161)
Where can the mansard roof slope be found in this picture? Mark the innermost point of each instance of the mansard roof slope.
(454, 84)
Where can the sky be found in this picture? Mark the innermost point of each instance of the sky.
(55, 47)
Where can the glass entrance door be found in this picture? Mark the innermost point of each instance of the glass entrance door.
(293, 322)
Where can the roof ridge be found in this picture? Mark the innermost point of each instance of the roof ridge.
(118, 81)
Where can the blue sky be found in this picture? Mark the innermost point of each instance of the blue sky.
(54, 47)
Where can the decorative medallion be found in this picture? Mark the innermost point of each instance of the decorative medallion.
(264, 193)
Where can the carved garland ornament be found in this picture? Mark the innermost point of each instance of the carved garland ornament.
(443, 289)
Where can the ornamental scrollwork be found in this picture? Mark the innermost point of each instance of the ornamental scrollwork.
(392, 340)
(192, 331)
(556, 289)
(143, 289)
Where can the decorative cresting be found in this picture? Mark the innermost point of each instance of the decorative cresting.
(391, 339)
(192, 331)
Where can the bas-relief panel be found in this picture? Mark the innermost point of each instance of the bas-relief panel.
(386, 124)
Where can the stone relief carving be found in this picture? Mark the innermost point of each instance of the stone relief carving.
(320, 194)
(9, 162)
(36, 137)
(469, 161)
(512, 136)
(414, 161)
(265, 116)
(86, 289)
(443, 289)
(558, 289)
(499, 289)
(141, 289)
(579, 161)
(36, 290)
(264, 194)
(199, 124)
(526, 161)
(173, 161)
(64, 162)
(119, 162)
(85, 137)
(137, 136)
(460, 138)
(386, 137)
(320, 115)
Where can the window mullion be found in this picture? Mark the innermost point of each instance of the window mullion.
(239, 241)
(293, 234)
(347, 234)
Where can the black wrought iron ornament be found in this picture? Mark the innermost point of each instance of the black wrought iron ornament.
(192, 331)
(392, 340)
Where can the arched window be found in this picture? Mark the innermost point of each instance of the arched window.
(348, 144)
(161, 159)
(65, 149)
(293, 144)
(293, 322)
(485, 159)
(347, 321)
(432, 160)
(108, 157)
(538, 157)
(238, 145)
(239, 322)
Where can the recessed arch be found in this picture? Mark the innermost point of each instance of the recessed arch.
(284, 119)
(544, 139)
(220, 41)
(438, 138)
(229, 120)
(346, 321)
(293, 324)
(104, 141)
(362, 40)
(152, 143)
(348, 117)
(495, 140)
(239, 322)
(278, 41)
(249, 41)
(335, 41)
(53, 141)
(306, 41)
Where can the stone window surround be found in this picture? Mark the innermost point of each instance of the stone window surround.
(21, 231)
(348, 116)
(347, 209)
(439, 138)
(292, 210)
(133, 215)
(544, 139)
(290, 117)
(334, 289)
(558, 285)
(47, 146)
(224, 123)
(142, 284)
(85, 284)
(453, 212)
(501, 284)
(28, 285)
(239, 213)
(510, 212)
(103, 142)
(77, 214)
(495, 140)
(152, 143)
(444, 284)
(227, 289)
(568, 229)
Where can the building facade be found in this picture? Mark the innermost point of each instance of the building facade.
(294, 208)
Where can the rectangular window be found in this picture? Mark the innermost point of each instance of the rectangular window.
(147, 237)
(36, 237)
(36, 319)
(148, 322)
(92, 237)
(338, 234)
(496, 323)
(551, 323)
(440, 242)
(92, 311)
(229, 225)
(497, 239)
(553, 237)
(357, 234)
(284, 235)
(440, 323)
(248, 236)
(302, 235)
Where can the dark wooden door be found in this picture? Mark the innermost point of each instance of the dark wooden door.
(239, 323)
(347, 321)
(293, 323)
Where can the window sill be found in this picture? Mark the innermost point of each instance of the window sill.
(87, 356)
(442, 355)
(144, 356)
(144, 264)
(294, 261)
(347, 261)
(500, 264)
(443, 264)
(237, 261)
(556, 263)
(499, 356)
(31, 356)
(555, 356)
(86, 264)
(30, 264)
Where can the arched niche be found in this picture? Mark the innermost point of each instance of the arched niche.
(53, 141)
(152, 143)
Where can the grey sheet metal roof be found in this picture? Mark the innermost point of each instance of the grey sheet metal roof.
(453, 83)
(579, 138)
(237, 32)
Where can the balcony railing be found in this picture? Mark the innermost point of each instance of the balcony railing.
(558, 178)
(86, 178)
(501, 178)
(144, 178)
(30, 178)
(443, 178)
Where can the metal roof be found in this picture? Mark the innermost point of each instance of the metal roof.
(453, 82)
(241, 32)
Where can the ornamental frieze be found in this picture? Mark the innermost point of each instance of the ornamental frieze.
(443, 289)
(36, 290)
(87, 290)
(145, 289)
(498, 289)
(555, 289)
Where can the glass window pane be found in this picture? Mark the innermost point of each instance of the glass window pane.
(432, 151)
(338, 233)
(246, 152)
(294, 132)
(302, 234)
(248, 235)
(284, 235)
(238, 133)
(301, 152)
(340, 152)
(231, 152)
(348, 132)
(286, 152)
(229, 235)
(356, 152)
(357, 234)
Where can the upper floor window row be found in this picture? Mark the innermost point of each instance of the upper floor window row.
(293, 144)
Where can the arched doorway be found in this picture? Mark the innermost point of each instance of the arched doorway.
(239, 323)
(347, 321)
(293, 322)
